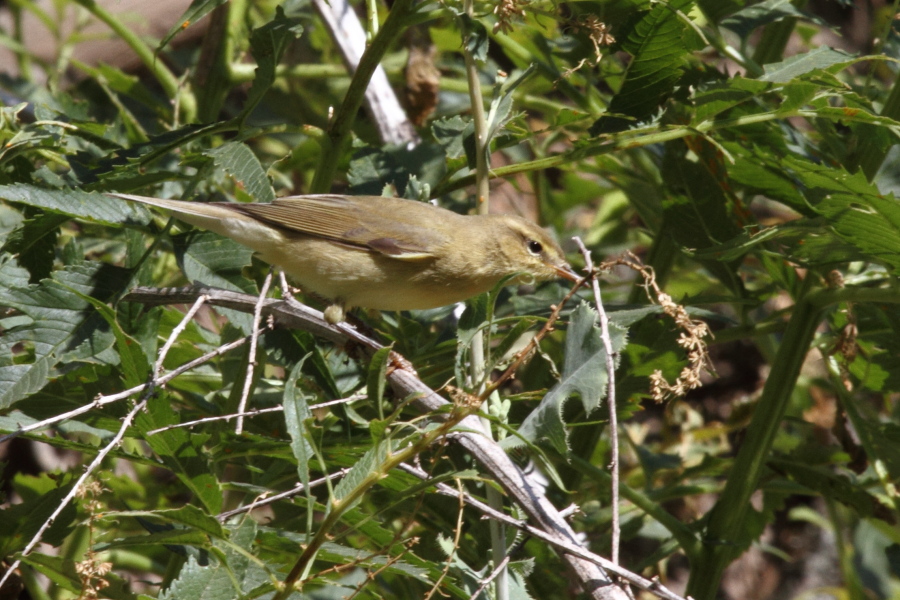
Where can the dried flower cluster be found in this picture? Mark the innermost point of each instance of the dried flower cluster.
(92, 571)
(506, 11)
(691, 338)
(599, 34)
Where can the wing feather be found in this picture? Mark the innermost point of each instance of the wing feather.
(368, 223)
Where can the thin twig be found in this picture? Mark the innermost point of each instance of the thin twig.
(406, 384)
(532, 343)
(104, 400)
(251, 359)
(88, 472)
(182, 325)
(281, 496)
(257, 411)
(610, 398)
(457, 534)
(650, 585)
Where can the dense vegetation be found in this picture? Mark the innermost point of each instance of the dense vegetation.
(740, 151)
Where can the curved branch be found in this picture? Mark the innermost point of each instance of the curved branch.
(406, 383)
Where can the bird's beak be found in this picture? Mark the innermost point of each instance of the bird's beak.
(566, 272)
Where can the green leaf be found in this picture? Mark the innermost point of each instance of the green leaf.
(167, 537)
(584, 373)
(859, 213)
(475, 37)
(718, 10)
(83, 205)
(801, 64)
(370, 463)
(214, 260)
(470, 324)
(296, 417)
(188, 515)
(828, 484)
(196, 11)
(658, 46)
(268, 44)
(238, 160)
(135, 364)
(714, 99)
(377, 379)
(35, 244)
(40, 496)
(754, 16)
(62, 326)
(181, 452)
(502, 103)
(373, 169)
(451, 133)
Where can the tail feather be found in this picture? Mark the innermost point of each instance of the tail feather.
(215, 217)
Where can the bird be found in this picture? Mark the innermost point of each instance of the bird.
(380, 253)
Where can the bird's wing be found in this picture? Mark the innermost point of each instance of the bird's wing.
(359, 221)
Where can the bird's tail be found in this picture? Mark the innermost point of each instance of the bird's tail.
(217, 217)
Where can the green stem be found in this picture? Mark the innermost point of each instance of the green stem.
(243, 72)
(636, 138)
(338, 132)
(392, 459)
(186, 101)
(477, 350)
(724, 539)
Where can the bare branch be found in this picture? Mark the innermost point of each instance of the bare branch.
(610, 398)
(650, 585)
(406, 384)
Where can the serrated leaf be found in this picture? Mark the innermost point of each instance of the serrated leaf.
(35, 244)
(296, 416)
(584, 373)
(268, 43)
(182, 452)
(801, 64)
(168, 537)
(372, 169)
(502, 103)
(713, 100)
(60, 571)
(135, 365)
(451, 132)
(377, 375)
(40, 496)
(75, 203)
(475, 37)
(238, 160)
(188, 515)
(828, 484)
(659, 50)
(856, 209)
(63, 327)
(214, 260)
(363, 468)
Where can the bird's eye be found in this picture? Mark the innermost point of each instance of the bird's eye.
(534, 247)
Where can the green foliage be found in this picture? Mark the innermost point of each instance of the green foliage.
(759, 186)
